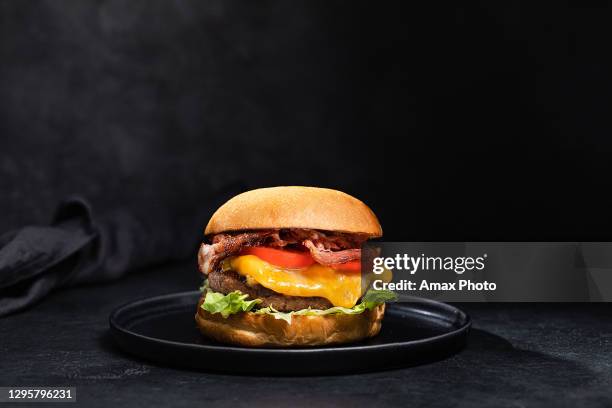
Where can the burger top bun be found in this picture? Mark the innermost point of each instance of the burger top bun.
(295, 207)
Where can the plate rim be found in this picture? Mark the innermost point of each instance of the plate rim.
(118, 329)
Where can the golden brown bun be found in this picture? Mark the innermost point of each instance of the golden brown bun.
(295, 207)
(255, 330)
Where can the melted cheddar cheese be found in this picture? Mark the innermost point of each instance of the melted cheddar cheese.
(341, 288)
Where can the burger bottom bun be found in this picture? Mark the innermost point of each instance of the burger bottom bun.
(263, 330)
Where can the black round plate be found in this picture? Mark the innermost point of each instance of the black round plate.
(162, 329)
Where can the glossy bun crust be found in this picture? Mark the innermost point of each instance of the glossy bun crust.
(255, 330)
(295, 207)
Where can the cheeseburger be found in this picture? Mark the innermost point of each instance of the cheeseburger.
(282, 268)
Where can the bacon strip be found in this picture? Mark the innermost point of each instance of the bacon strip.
(328, 257)
(326, 248)
(225, 245)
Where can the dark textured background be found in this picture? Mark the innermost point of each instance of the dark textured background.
(477, 122)
(156, 106)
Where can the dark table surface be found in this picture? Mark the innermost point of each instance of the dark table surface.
(518, 355)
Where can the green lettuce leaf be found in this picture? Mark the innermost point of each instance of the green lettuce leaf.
(286, 316)
(237, 302)
(231, 303)
(369, 301)
(373, 298)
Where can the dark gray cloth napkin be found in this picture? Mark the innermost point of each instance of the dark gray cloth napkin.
(79, 248)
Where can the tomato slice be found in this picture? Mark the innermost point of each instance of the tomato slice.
(287, 258)
(284, 258)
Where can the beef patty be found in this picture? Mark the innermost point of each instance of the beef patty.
(229, 281)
